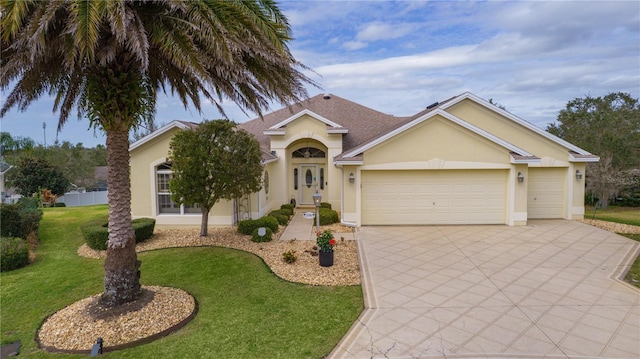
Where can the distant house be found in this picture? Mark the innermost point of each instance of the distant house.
(4, 168)
(459, 161)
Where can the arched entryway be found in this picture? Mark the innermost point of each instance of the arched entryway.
(308, 166)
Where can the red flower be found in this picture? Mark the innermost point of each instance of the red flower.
(332, 242)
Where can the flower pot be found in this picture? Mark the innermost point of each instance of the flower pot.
(326, 259)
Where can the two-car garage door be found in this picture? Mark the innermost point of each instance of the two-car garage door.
(434, 197)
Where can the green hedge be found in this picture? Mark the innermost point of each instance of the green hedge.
(249, 225)
(288, 206)
(328, 216)
(14, 253)
(325, 205)
(96, 233)
(20, 219)
(268, 236)
(10, 221)
(282, 215)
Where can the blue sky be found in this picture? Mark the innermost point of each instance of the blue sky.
(400, 56)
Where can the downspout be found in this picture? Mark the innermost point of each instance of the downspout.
(342, 221)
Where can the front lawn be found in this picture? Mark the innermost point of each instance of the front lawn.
(626, 215)
(244, 310)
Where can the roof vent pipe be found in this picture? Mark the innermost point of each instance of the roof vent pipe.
(326, 96)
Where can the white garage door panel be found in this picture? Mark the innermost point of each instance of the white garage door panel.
(433, 197)
(546, 193)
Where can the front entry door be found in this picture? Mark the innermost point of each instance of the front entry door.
(308, 181)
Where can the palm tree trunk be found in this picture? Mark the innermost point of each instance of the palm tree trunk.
(122, 275)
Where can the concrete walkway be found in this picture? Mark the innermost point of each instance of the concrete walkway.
(549, 290)
(299, 227)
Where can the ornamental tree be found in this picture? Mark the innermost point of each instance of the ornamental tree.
(33, 174)
(215, 161)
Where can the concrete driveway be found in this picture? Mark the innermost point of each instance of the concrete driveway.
(549, 289)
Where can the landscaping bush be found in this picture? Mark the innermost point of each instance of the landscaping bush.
(328, 216)
(249, 225)
(287, 211)
(281, 218)
(11, 224)
(143, 227)
(325, 205)
(268, 236)
(282, 215)
(288, 206)
(96, 232)
(60, 204)
(14, 253)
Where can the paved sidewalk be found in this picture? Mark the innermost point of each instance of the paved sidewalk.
(549, 289)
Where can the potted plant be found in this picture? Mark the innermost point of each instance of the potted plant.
(325, 243)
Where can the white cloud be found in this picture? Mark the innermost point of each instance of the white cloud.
(384, 31)
(354, 45)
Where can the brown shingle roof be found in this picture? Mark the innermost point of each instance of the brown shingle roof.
(364, 124)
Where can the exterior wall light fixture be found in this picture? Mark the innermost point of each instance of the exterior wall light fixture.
(520, 177)
(352, 177)
(578, 175)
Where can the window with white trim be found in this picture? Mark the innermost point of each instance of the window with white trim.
(165, 203)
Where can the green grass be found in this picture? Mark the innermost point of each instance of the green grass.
(626, 215)
(245, 311)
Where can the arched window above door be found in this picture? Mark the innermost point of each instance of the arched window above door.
(308, 152)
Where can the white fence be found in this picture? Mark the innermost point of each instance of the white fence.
(76, 199)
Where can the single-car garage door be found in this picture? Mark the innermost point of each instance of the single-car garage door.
(434, 197)
(546, 193)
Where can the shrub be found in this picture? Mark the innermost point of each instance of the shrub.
(30, 222)
(268, 236)
(325, 205)
(288, 206)
(96, 232)
(249, 225)
(11, 223)
(328, 216)
(289, 256)
(20, 219)
(14, 253)
(60, 204)
(282, 215)
(143, 228)
(286, 211)
(282, 219)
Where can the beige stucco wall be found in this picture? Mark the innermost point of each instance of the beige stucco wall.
(576, 188)
(438, 139)
(508, 130)
(306, 131)
(144, 160)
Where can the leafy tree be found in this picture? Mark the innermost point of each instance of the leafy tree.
(33, 174)
(9, 144)
(609, 127)
(109, 59)
(213, 162)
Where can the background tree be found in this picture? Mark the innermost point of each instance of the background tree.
(33, 174)
(213, 162)
(609, 127)
(109, 59)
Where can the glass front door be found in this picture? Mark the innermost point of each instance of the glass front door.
(307, 183)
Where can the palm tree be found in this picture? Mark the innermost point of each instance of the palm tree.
(109, 58)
